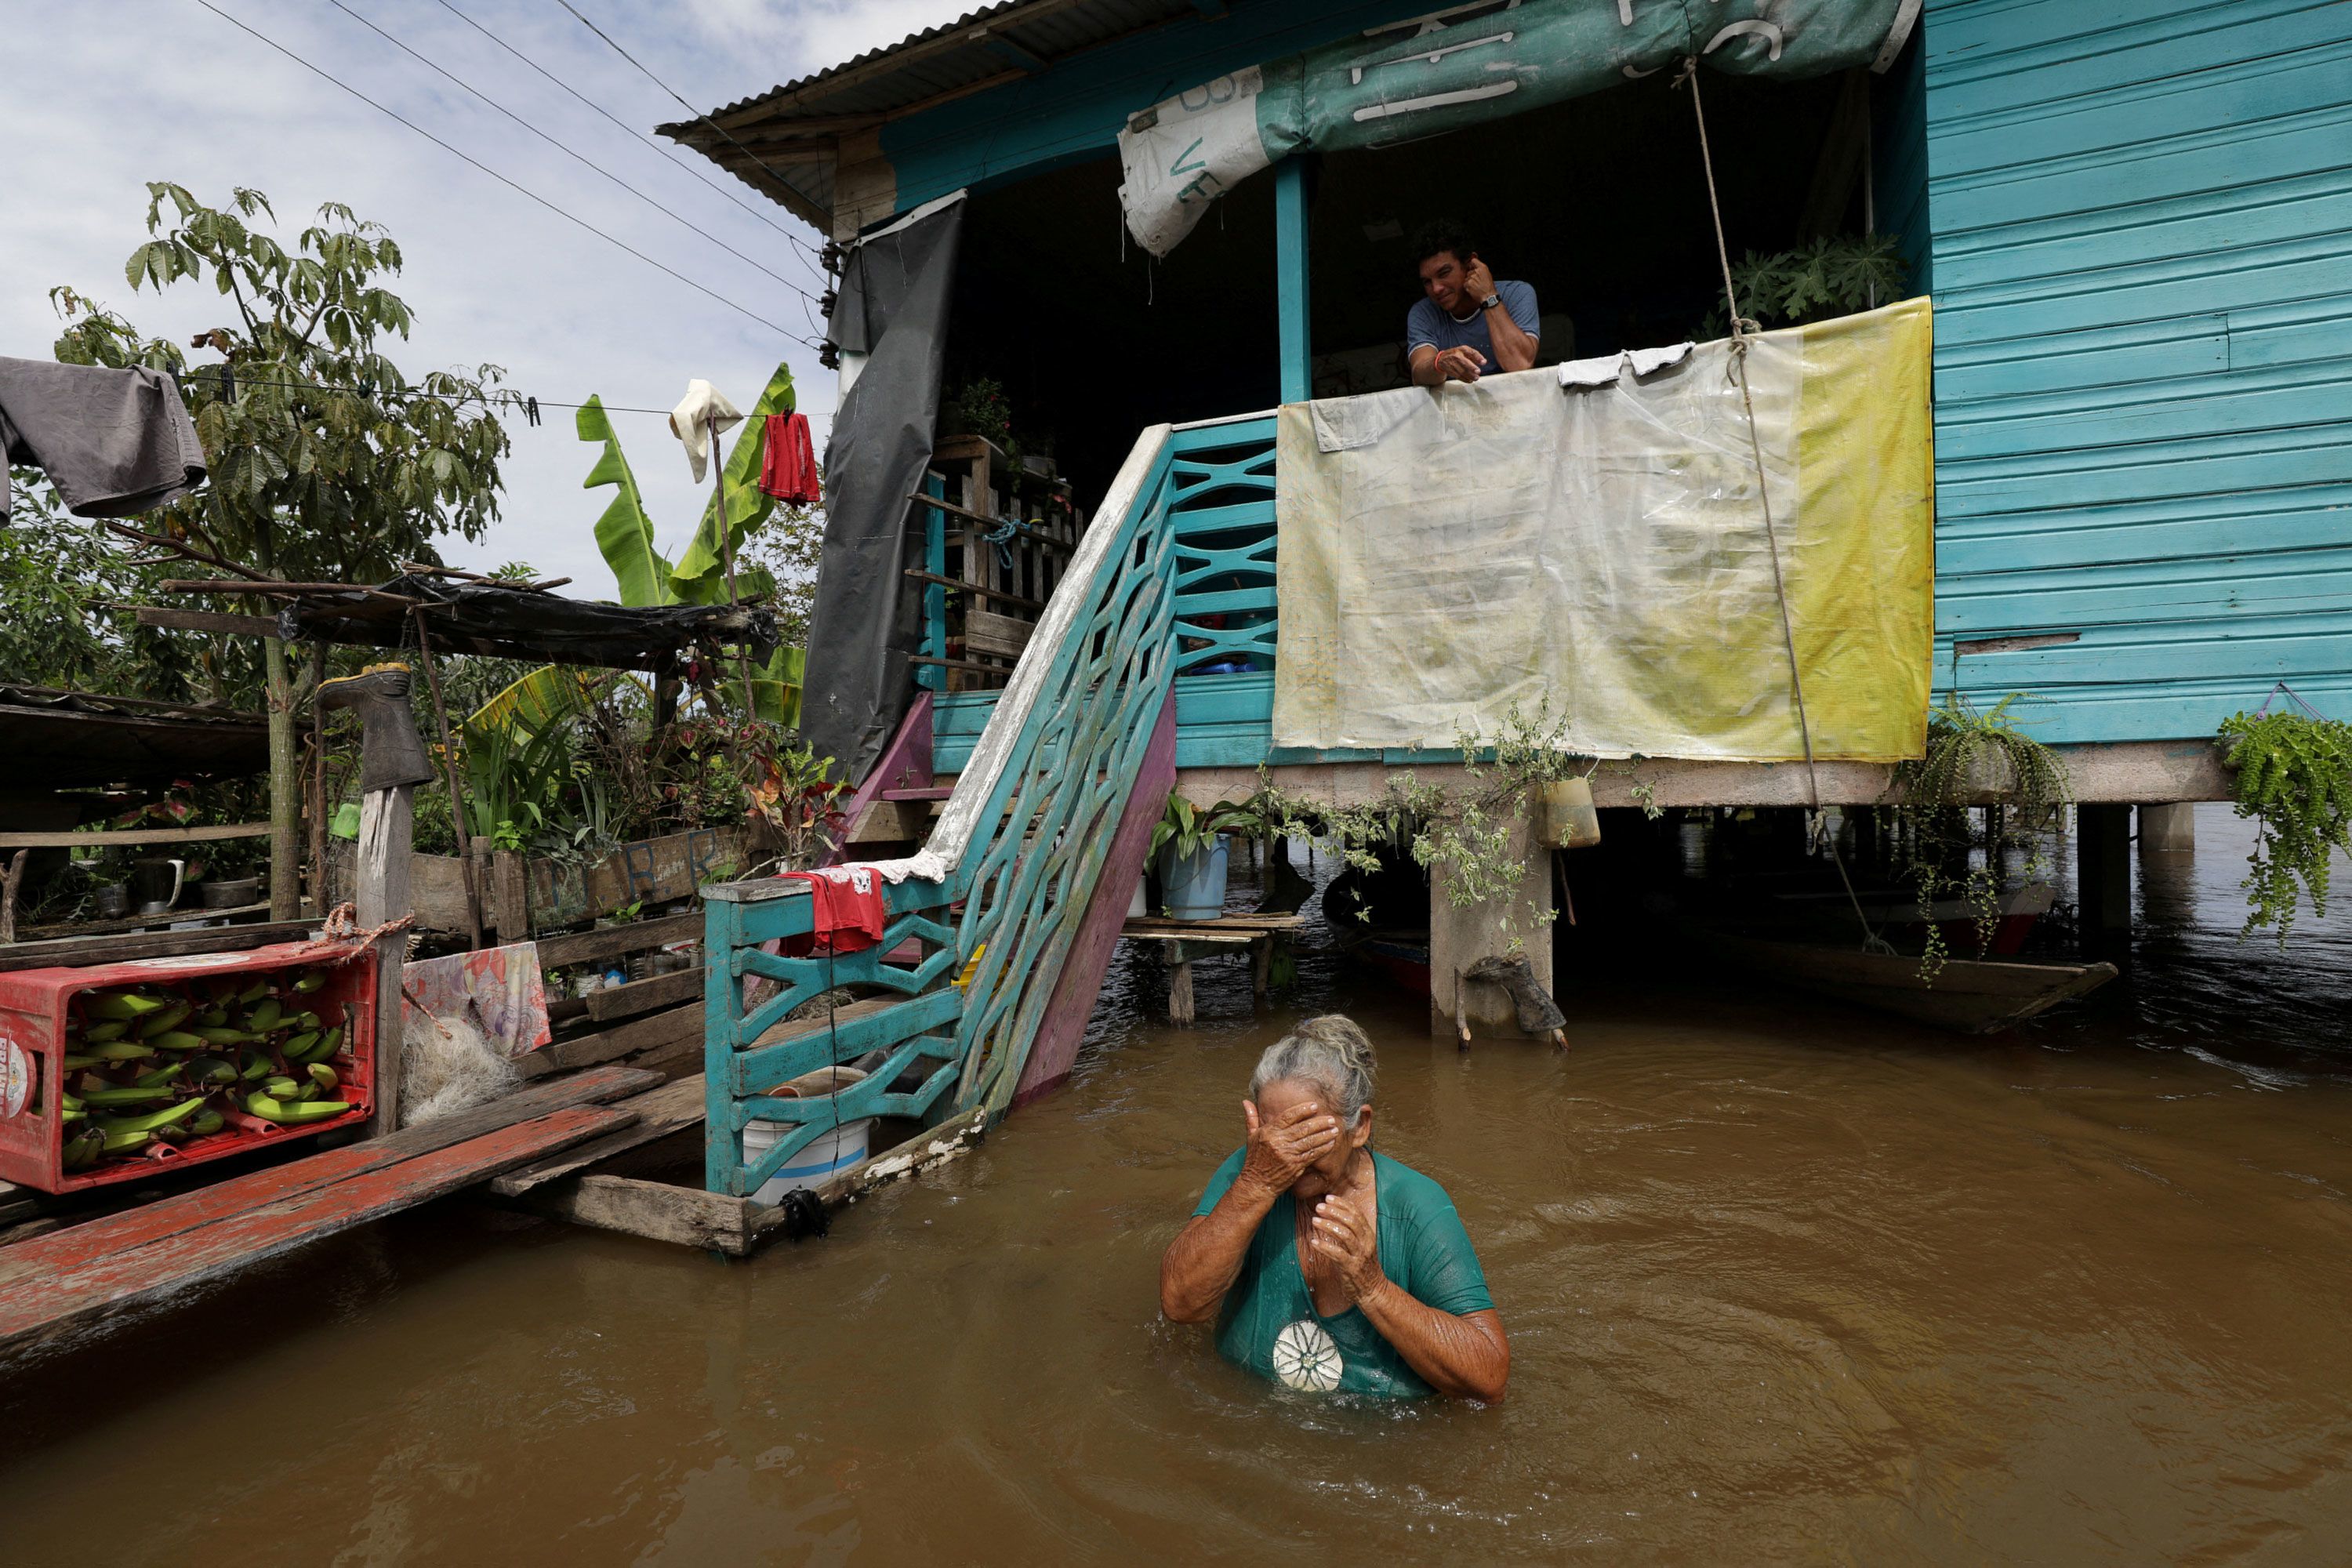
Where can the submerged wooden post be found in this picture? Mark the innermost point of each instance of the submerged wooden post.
(2102, 876)
(1460, 937)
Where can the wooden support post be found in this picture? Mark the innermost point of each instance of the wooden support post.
(1261, 965)
(317, 791)
(387, 824)
(2103, 877)
(2167, 829)
(449, 771)
(1179, 991)
(1290, 279)
(1459, 937)
(16, 881)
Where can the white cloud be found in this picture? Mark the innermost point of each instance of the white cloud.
(491, 275)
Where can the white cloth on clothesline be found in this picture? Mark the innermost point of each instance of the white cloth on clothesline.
(701, 414)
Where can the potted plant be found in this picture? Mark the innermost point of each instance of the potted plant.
(1190, 846)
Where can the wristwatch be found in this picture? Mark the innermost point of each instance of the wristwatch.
(1490, 301)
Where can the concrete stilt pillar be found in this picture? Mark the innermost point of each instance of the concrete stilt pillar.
(1459, 937)
(2102, 876)
(2167, 829)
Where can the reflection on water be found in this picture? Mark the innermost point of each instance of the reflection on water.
(1784, 1284)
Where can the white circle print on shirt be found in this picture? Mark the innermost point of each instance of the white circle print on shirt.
(1306, 1359)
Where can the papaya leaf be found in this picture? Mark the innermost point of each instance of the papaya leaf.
(700, 576)
(625, 533)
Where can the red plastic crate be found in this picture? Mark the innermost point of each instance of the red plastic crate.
(35, 1004)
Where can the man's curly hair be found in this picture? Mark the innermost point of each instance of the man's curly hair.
(1444, 233)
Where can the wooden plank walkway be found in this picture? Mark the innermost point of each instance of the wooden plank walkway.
(71, 1277)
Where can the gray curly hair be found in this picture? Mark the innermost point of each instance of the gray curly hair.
(1329, 1052)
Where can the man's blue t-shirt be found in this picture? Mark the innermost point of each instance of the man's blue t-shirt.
(1425, 324)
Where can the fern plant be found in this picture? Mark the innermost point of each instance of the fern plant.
(2295, 779)
(1970, 756)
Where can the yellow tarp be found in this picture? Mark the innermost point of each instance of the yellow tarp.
(1447, 553)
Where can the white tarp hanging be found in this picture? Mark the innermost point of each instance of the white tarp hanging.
(1448, 553)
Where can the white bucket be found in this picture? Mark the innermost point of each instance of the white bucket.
(827, 1157)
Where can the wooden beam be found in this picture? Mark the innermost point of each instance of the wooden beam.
(379, 892)
(67, 931)
(207, 621)
(1006, 48)
(645, 995)
(977, 591)
(97, 948)
(673, 1108)
(673, 1027)
(135, 836)
(613, 942)
(190, 709)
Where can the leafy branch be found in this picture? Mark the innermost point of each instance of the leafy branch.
(2295, 779)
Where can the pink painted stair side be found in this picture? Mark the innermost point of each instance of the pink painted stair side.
(906, 765)
(1056, 1046)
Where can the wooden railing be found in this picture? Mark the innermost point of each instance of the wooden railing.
(994, 904)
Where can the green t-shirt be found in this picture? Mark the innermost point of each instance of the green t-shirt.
(1269, 1323)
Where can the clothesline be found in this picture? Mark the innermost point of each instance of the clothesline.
(524, 398)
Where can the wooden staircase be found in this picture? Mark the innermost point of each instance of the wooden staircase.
(992, 954)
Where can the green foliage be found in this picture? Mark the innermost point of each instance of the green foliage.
(1466, 830)
(2295, 779)
(326, 462)
(1836, 274)
(1192, 830)
(625, 535)
(1973, 756)
(62, 624)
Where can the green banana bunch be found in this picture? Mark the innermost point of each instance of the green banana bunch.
(126, 1005)
(292, 1114)
(124, 1142)
(323, 1075)
(177, 1040)
(253, 1065)
(264, 1016)
(169, 1018)
(211, 1070)
(160, 1076)
(112, 1030)
(129, 1094)
(206, 1123)
(122, 1051)
(75, 1060)
(309, 980)
(220, 1034)
(82, 1150)
(153, 1122)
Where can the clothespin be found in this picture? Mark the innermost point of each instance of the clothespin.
(531, 412)
(226, 378)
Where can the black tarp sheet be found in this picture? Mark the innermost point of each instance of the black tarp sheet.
(512, 623)
(864, 623)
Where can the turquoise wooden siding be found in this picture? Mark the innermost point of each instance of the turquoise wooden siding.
(2142, 261)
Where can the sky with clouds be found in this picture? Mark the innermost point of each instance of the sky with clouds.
(102, 97)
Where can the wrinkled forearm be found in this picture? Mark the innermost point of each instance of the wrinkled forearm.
(1204, 1259)
(1466, 1357)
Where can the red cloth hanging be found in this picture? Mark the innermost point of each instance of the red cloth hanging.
(846, 912)
(788, 467)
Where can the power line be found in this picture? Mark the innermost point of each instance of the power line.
(670, 153)
(506, 396)
(518, 189)
(682, 103)
(567, 151)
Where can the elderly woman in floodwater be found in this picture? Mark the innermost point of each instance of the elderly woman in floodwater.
(1327, 1265)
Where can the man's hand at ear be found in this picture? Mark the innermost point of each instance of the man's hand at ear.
(1515, 349)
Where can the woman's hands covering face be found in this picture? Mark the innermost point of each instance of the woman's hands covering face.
(1279, 1150)
(1347, 1238)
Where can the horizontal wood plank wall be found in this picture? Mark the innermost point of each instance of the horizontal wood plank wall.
(2142, 264)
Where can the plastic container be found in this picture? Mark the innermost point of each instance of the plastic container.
(1194, 885)
(1570, 821)
(829, 1154)
(35, 1003)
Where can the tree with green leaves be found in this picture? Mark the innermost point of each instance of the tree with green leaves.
(328, 463)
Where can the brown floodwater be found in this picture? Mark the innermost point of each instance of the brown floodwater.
(1784, 1284)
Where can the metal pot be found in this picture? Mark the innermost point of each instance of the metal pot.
(229, 895)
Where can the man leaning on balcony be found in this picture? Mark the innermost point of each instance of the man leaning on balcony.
(1465, 323)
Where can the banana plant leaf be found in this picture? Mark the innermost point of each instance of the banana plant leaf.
(625, 533)
(700, 576)
(545, 695)
(776, 690)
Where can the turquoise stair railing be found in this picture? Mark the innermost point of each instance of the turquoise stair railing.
(994, 899)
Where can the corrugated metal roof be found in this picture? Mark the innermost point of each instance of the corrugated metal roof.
(788, 135)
